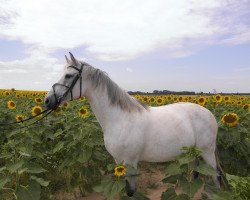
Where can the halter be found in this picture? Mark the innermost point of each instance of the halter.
(69, 88)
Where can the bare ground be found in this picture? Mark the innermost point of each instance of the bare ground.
(149, 183)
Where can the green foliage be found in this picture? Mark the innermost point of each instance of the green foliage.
(180, 173)
(111, 187)
(65, 152)
(240, 186)
(233, 143)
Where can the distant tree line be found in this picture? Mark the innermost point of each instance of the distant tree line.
(168, 92)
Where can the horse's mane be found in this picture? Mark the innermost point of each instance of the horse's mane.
(116, 95)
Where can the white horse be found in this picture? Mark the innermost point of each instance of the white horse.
(132, 131)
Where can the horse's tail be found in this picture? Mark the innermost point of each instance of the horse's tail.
(224, 181)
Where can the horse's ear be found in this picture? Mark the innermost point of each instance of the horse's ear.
(67, 59)
(73, 58)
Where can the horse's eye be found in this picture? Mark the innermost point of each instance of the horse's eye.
(68, 76)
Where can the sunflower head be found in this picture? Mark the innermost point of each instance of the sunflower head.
(246, 107)
(145, 99)
(66, 104)
(159, 100)
(82, 98)
(230, 119)
(201, 101)
(20, 118)
(38, 100)
(175, 99)
(169, 98)
(152, 99)
(6, 93)
(11, 105)
(36, 110)
(239, 103)
(120, 170)
(180, 99)
(83, 112)
(227, 98)
(218, 98)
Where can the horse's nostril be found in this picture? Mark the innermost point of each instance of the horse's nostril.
(46, 102)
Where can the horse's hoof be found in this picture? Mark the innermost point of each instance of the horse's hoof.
(130, 193)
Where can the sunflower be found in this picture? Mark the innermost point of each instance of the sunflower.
(152, 99)
(83, 112)
(230, 119)
(120, 170)
(185, 99)
(6, 93)
(180, 99)
(145, 99)
(18, 96)
(11, 105)
(246, 107)
(227, 98)
(20, 118)
(66, 104)
(38, 100)
(175, 99)
(169, 98)
(82, 98)
(159, 100)
(239, 103)
(36, 110)
(201, 101)
(218, 98)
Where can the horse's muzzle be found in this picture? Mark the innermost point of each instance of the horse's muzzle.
(50, 101)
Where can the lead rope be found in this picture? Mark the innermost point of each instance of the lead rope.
(29, 118)
(31, 123)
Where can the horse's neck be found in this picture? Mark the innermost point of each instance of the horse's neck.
(104, 112)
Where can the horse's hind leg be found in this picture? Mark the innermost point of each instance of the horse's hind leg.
(209, 158)
(195, 173)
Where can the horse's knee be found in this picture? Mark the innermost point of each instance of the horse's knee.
(130, 190)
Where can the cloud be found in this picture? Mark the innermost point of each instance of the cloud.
(128, 69)
(37, 72)
(113, 30)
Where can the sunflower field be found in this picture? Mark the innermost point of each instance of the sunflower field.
(65, 150)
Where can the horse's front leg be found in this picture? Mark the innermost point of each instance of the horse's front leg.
(131, 176)
(131, 186)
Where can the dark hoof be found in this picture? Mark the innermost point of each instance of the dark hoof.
(220, 180)
(130, 193)
(195, 175)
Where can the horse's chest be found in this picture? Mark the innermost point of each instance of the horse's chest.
(123, 145)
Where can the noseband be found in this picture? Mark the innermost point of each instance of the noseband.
(69, 88)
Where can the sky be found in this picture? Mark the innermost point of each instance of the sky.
(143, 45)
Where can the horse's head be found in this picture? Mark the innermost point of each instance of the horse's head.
(70, 85)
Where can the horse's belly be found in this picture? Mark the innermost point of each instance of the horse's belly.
(162, 151)
(165, 137)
